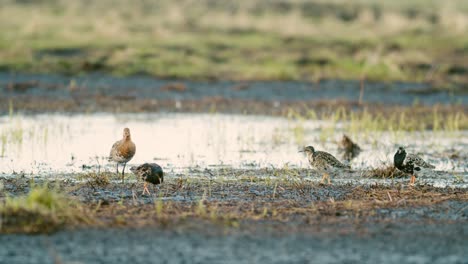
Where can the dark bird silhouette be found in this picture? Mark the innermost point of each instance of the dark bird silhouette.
(123, 151)
(323, 161)
(149, 172)
(348, 148)
(409, 163)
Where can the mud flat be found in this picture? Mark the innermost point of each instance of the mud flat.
(236, 187)
(250, 216)
(387, 243)
(38, 93)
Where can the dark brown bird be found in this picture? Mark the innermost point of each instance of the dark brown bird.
(149, 172)
(123, 151)
(348, 148)
(408, 163)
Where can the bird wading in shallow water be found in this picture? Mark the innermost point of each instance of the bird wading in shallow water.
(323, 161)
(348, 148)
(409, 163)
(123, 151)
(149, 172)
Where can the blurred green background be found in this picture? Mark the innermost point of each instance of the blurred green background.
(418, 40)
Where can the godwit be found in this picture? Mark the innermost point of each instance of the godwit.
(123, 151)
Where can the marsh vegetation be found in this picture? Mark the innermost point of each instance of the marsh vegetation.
(242, 40)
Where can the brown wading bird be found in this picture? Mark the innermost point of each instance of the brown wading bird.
(348, 148)
(323, 161)
(408, 163)
(149, 172)
(123, 151)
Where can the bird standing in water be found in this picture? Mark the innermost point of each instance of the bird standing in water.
(123, 151)
(149, 172)
(408, 163)
(348, 148)
(323, 161)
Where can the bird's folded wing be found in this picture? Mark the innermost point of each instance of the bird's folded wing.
(415, 159)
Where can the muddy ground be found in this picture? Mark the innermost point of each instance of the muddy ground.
(386, 243)
(235, 218)
(239, 215)
(33, 93)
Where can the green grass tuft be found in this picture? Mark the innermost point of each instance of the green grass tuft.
(42, 210)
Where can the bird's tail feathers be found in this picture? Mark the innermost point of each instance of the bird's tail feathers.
(426, 165)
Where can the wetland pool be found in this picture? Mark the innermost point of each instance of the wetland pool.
(51, 144)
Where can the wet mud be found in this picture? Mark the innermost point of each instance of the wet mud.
(255, 203)
(284, 220)
(98, 93)
(399, 243)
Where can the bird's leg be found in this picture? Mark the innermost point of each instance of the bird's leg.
(145, 189)
(327, 177)
(412, 180)
(117, 168)
(123, 171)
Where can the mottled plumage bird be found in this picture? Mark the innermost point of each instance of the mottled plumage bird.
(348, 148)
(323, 161)
(123, 151)
(408, 163)
(149, 172)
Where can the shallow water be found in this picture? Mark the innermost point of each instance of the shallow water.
(47, 144)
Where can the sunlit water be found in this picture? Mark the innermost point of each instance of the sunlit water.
(48, 144)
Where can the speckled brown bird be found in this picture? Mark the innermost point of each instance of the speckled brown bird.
(149, 173)
(123, 151)
(348, 148)
(408, 163)
(323, 161)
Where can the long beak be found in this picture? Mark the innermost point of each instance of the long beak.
(301, 150)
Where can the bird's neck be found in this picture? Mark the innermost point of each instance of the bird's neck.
(399, 159)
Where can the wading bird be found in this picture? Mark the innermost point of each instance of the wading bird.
(408, 163)
(123, 151)
(348, 148)
(149, 172)
(323, 161)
